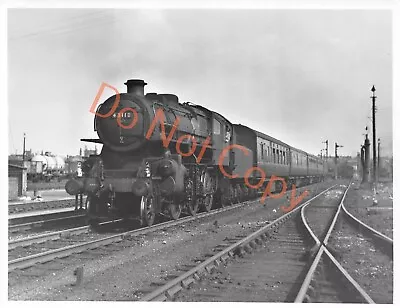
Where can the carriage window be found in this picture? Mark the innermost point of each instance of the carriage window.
(273, 153)
(284, 158)
(216, 127)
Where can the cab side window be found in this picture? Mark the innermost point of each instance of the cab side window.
(216, 127)
(202, 124)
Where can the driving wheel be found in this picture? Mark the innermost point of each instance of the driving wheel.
(174, 210)
(193, 207)
(147, 211)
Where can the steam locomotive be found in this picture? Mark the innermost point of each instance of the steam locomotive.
(163, 157)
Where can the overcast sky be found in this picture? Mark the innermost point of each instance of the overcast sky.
(302, 76)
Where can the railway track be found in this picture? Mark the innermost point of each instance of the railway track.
(43, 248)
(297, 265)
(18, 225)
(68, 242)
(327, 251)
(53, 236)
(383, 241)
(326, 280)
(24, 207)
(370, 259)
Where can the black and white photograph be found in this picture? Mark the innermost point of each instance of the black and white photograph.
(174, 152)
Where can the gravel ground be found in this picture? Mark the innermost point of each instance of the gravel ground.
(125, 271)
(372, 269)
(359, 202)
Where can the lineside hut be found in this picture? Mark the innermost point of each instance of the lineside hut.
(17, 181)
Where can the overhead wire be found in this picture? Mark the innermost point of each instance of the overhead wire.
(83, 23)
(63, 23)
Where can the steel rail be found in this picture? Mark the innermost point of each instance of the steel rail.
(39, 223)
(29, 206)
(302, 295)
(41, 238)
(378, 234)
(168, 290)
(354, 283)
(306, 225)
(39, 213)
(328, 234)
(33, 202)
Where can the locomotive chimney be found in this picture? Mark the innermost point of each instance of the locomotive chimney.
(135, 86)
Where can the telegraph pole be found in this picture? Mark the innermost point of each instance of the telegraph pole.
(336, 158)
(23, 149)
(379, 150)
(326, 158)
(373, 135)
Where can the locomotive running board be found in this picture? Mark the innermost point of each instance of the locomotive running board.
(92, 140)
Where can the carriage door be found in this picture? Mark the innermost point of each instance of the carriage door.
(222, 136)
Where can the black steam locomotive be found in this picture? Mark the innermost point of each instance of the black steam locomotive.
(162, 157)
